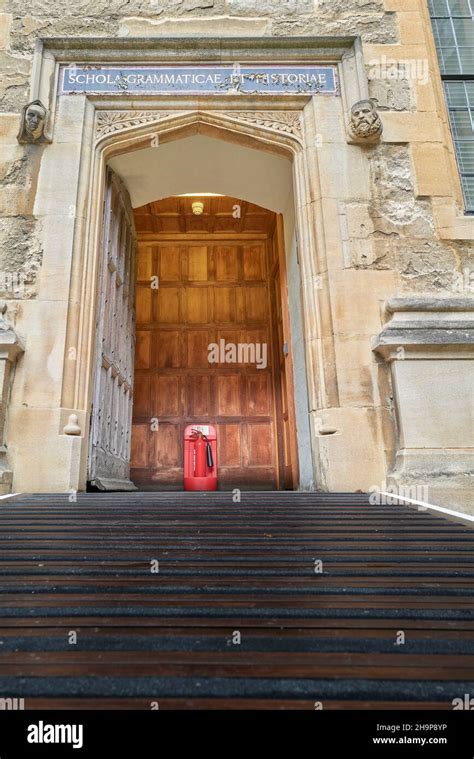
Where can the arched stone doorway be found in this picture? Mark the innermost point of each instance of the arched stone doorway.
(340, 303)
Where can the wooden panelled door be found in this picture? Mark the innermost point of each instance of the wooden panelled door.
(110, 437)
(203, 295)
(288, 450)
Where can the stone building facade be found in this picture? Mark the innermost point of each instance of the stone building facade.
(379, 248)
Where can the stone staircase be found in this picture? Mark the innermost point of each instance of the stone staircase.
(282, 600)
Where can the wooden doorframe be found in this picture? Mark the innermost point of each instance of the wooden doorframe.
(279, 238)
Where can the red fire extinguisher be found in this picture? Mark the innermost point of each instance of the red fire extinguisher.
(200, 450)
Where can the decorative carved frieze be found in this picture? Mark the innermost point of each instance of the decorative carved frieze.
(287, 122)
(110, 122)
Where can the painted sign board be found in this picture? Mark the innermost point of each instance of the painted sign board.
(198, 80)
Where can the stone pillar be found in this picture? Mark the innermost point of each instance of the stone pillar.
(429, 344)
(10, 348)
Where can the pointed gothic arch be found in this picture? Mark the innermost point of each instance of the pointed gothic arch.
(114, 133)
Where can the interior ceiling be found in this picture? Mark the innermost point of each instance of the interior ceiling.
(175, 216)
(200, 163)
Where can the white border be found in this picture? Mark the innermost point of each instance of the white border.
(457, 514)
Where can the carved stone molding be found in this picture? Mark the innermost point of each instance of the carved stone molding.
(426, 328)
(10, 348)
(111, 122)
(288, 122)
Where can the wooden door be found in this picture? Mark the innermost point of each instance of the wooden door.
(110, 440)
(208, 291)
(288, 444)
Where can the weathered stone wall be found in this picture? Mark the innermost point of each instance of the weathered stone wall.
(119, 17)
(396, 230)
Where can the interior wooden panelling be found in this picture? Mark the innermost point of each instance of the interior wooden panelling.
(209, 289)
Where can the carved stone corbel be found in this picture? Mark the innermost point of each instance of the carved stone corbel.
(365, 126)
(34, 118)
(72, 426)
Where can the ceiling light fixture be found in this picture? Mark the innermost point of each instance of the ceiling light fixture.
(198, 208)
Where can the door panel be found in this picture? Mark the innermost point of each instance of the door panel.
(226, 259)
(169, 262)
(198, 396)
(260, 444)
(110, 437)
(259, 395)
(229, 395)
(254, 262)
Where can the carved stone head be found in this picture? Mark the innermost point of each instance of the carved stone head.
(365, 125)
(33, 123)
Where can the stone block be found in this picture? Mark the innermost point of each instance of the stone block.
(425, 97)
(391, 95)
(39, 382)
(57, 241)
(58, 180)
(9, 126)
(343, 173)
(40, 468)
(435, 402)
(329, 126)
(412, 27)
(356, 371)
(360, 222)
(14, 201)
(222, 26)
(377, 53)
(401, 6)
(355, 300)
(5, 23)
(353, 456)
(422, 126)
(69, 120)
(431, 169)
(270, 7)
(20, 252)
